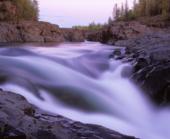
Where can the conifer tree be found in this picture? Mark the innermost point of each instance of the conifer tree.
(143, 8)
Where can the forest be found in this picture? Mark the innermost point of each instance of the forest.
(142, 8)
(15, 10)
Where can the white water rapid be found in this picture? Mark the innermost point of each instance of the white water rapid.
(80, 82)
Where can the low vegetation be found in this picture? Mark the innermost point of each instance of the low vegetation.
(143, 8)
(92, 26)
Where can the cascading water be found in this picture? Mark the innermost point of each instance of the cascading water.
(80, 82)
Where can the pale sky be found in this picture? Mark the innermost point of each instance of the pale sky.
(67, 13)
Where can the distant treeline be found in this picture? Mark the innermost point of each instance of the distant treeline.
(19, 10)
(142, 8)
(91, 26)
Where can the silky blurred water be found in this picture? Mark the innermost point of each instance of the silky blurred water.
(81, 82)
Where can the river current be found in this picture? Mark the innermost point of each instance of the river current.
(80, 81)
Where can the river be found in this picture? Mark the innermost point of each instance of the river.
(81, 82)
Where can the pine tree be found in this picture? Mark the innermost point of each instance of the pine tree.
(110, 21)
(166, 9)
(116, 12)
(126, 9)
(122, 10)
(143, 8)
(26, 9)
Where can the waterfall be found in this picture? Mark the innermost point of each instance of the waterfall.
(81, 82)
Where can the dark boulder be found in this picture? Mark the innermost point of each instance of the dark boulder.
(156, 81)
(9, 132)
(151, 60)
(21, 120)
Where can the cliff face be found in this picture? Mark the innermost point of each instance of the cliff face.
(34, 31)
(118, 31)
(30, 31)
(73, 35)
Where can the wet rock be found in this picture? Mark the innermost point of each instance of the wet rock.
(117, 54)
(43, 134)
(141, 63)
(155, 81)
(148, 49)
(151, 60)
(29, 111)
(21, 120)
(9, 132)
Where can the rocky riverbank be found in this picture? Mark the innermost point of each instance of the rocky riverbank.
(16, 26)
(118, 31)
(34, 31)
(121, 30)
(21, 120)
(150, 55)
(148, 47)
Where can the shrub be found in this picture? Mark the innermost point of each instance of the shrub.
(92, 26)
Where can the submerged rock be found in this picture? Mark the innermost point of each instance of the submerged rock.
(21, 120)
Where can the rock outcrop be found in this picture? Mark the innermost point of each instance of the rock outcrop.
(21, 120)
(30, 31)
(34, 31)
(148, 47)
(94, 35)
(150, 55)
(14, 28)
(73, 35)
(118, 31)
